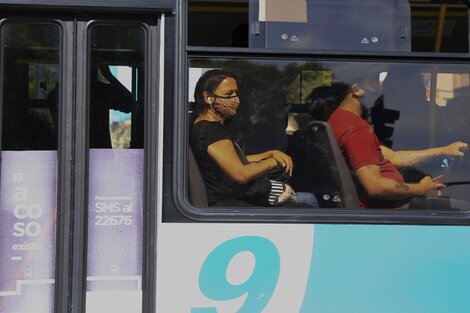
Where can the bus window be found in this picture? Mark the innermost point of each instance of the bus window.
(28, 184)
(439, 27)
(115, 194)
(354, 25)
(409, 106)
(29, 107)
(219, 23)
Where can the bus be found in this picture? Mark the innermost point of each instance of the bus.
(103, 207)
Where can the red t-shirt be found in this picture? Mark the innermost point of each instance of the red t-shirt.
(360, 146)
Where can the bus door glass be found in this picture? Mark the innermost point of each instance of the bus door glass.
(28, 182)
(115, 190)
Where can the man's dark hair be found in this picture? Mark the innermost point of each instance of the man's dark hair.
(324, 100)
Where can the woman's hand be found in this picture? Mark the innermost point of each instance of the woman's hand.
(283, 160)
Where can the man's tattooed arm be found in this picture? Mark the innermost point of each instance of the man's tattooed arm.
(402, 187)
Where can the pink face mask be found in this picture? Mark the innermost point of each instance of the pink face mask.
(226, 106)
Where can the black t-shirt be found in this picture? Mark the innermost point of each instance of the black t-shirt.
(219, 186)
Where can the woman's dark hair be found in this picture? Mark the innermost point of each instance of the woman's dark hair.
(324, 100)
(209, 81)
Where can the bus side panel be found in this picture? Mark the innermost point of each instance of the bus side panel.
(405, 269)
(209, 268)
(27, 229)
(232, 267)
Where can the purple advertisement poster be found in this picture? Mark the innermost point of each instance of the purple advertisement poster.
(28, 192)
(115, 220)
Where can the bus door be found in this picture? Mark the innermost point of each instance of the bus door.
(75, 102)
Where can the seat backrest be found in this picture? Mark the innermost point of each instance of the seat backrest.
(197, 188)
(320, 167)
(348, 188)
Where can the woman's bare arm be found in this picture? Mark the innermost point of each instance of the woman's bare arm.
(224, 154)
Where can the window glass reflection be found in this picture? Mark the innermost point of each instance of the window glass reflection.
(352, 25)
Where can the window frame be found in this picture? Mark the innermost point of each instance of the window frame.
(64, 168)
(151, 24)
(160, 15)
(184, 14)
(179, 121)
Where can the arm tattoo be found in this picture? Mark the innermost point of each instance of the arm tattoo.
(402, 187)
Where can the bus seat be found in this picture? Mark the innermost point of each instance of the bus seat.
(348, 189)
(320, 167)
(197, 187)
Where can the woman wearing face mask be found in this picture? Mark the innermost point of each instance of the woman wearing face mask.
(229, 175)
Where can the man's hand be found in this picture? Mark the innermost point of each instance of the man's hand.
(455, 149)
(430, 186)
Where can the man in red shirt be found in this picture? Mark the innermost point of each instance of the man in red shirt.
(380, 183)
